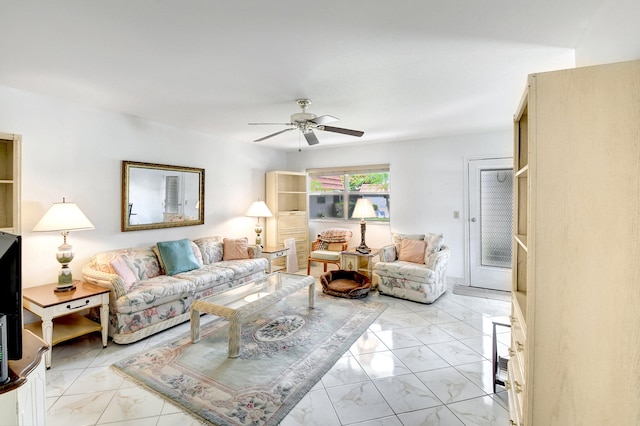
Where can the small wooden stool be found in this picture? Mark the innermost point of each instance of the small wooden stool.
(347, 284)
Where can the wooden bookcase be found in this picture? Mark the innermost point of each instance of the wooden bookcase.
(575, 316)
(10, 151)
(286, 197)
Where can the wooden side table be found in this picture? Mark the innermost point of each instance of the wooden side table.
(352, 260)
(63, 306)
(273, 253)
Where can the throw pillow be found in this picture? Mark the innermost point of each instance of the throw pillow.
(120, 267)
(177, 256)
(412, 250)
(235, 249)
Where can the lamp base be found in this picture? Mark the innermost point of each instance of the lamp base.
(363, 250)
(59, 289)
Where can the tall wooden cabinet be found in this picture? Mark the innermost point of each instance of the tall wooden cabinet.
(575, 349)
(286, 197)
(10, 150)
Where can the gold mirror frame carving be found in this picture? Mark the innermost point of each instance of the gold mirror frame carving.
(129, 206)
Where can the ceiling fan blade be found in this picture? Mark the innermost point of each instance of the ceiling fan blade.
(324, 119)
(357, 133)
(273, 134)
(268, 124)
(311, 138)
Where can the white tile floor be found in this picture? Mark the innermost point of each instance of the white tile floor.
(416, 365)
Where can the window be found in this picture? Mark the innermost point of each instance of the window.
(329, 188)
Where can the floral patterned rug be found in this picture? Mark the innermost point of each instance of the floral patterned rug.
(285, 350)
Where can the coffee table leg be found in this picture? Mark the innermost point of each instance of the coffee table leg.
(195, 325)
(312, 295)
(234, 337)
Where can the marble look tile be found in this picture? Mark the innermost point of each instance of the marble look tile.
(84, 409)
(449, 385)
(398, 338)
(482, 345)
(484, 411)
(132, 403)
(381, 364)
(436, 416)
(406, 393)
(480, 373)
(147, 421)
(182, 419)
(367, 343)
(383, 421)
(429, 334)
(58, 381)
(390, 322)
(455, 353)
(358, 402)
(95, 379)
(436, 317)
(463, 314)
(345, 371)
(420, 358)
(313, 409)
(460, 330)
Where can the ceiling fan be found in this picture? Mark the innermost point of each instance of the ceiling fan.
(306, 122)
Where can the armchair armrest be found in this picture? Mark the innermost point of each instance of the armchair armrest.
(254, 251)
(388, 253)
(103, 279)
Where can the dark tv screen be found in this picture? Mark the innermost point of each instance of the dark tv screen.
(11, 291)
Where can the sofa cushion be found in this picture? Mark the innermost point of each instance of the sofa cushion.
(153, 292)
(412, 250)
(325, 255)
(177, 256)
(244, 268)
(121, 268)
(235, 249)
(434, 243)
(211, 249)
(208, 276)
(405, 270)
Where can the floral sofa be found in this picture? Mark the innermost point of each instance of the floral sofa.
(413, 268)
(146, 298)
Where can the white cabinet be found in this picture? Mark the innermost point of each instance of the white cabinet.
(10, 150)
(286, 197)
(22, 400)
(576, 297)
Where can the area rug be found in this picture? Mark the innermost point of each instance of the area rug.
(285, 350)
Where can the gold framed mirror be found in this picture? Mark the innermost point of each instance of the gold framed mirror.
(161, 196)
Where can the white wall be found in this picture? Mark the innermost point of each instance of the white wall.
(427, 185)
(599, 45)
(76, 152)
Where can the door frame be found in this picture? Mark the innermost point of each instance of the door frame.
(466, 216)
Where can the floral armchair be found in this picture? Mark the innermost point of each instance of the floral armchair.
(414, 267)
(328, 246)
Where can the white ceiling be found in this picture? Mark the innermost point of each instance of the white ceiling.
(398, 70)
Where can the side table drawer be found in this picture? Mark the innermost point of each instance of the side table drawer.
(76, 305)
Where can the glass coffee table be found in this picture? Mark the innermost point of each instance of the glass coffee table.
(238, 303)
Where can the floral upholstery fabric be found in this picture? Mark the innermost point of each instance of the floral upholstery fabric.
(157, 301)
(412, 281)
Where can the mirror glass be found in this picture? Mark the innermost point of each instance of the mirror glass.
(161, 196)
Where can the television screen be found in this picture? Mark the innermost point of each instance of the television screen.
(11, 291)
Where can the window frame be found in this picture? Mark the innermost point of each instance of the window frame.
(346, 194)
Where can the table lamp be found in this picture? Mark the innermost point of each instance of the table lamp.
(64, 217)
(363, 209)
(258, 209)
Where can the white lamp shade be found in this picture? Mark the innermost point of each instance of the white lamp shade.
(258, 209)
(363, 209)
(63, 217)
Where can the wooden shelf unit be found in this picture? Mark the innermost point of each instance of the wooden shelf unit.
(10, 157)
(286, 197)
(575, 321)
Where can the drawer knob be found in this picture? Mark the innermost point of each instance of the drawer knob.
(512, 353)
(518, 387)
(519, 346)
(512, 319)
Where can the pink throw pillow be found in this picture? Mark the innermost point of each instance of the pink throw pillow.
(235, 249)
(121, 268)
(412, 250)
